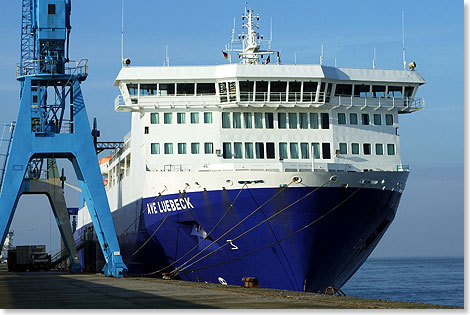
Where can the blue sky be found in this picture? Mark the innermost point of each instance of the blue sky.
(430, 217)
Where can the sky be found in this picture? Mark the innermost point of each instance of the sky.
(430, 218)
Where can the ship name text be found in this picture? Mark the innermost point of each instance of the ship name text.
(169, 205)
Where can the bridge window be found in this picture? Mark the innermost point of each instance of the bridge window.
(238, 151)
(205, 88)
(377, 119)
(343, 148)
(195, 118)
(208, 148)
(168, 148)
(292, 120)
(248, 150)
(181, 118)
(389, 119)
(227, 150)
(208, 118)
(237, 120)
(223, 91)
(365, 119)
(378, 91)
(325, 120)
(133, 89)
(269, 118)
(51, 8)
(343, 90)
(195, 148)
(261, 91)
(362, 90)
(248, 120)
(379, 149)
(316, 150)
(148, 89)
(232, 89)
(166, 89)
(155, 148)
(303, 119)
(353, 119)
(395, 91)
(325, 147)
(225, 120)
(283, 150)
(246, 90)
(341, 118)
(278, 91)
(294, 91)
(259, 150)
(270, 151)
(367, 148)
(184, 89)
(294, 150)
(408, 91)
(304, 150)
(391, 149)
(154, 118)
(258, 120)
(313, 120)
(310, 91)
(355, 148)
(167, 118)
(282, 120)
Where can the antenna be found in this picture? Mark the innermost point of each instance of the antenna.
(167, 59)
(295, 58)
(403, 35)
(374, 61)
(270, 34)
(122, 33)
(336, 49)
(321, 56)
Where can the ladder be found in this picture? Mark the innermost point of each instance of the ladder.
(5, 142)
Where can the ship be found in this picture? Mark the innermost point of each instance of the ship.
(290, 174)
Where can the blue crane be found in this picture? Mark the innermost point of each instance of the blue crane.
(52, 123)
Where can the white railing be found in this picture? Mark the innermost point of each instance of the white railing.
(51, 67)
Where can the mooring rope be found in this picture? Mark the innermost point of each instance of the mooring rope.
(143, 211)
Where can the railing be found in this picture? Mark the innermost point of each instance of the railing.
(350, 101)
(51, 67)
(403, 168)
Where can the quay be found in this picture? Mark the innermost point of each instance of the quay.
(60, 290)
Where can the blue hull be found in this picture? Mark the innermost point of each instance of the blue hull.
(324, 253)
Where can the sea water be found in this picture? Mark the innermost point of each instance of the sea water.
(423, 280)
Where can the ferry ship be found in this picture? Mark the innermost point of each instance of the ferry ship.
(287, 173)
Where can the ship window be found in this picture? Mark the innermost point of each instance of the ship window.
(390, 149)
(248, 150)
(365, 119)
(303, 119)
(269, 117)
(259, 150)
(379, 149)
(304, 150)
(208, 148)
(341, 118)
(389, 119)
(395, 91)
(225, 120)
(195, 118)
(184, 89)
(205, 89)
(294, 91)
(238, 152)
(343, 90)
(325, 148)
(227, 150)
(366, 148)
(313, 120)
(283, 150)
(180, 118)
(155, 148)
(248, 120)
(154, 118)
(166, 89)
(343, 148)
(232, 89)
(270, 152)
(181, 148)
(353, 119)
(378, 91)
(292, 120)
(362, 90)
(168, 148)
(50, 8)
(148, 89)
(316, 150)
(325, 120)
(261, 91)
(167, 118)
(146, 130)
(258, 120)
(322, 92)
(223, 91)
(195, 148)
(246, 90)
(409, 91)
(355, 148)
(310, 90)
(237, 120)
(377, 119)
(133, 89)
(294, 150)
(208, 118)
(282, 120)
(278, 91)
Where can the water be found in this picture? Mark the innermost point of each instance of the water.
(424, 280)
